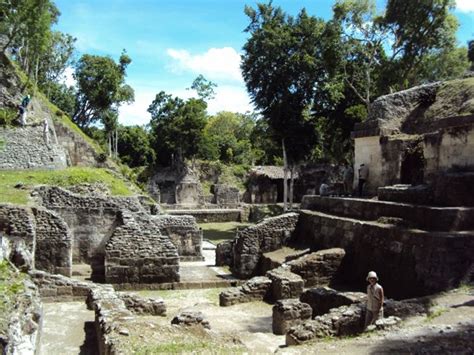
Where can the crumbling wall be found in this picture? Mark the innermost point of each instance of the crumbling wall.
(250, 243)
(410, 262)
(138, 253)
(184, 233)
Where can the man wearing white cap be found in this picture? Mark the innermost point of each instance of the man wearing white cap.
(374, 300)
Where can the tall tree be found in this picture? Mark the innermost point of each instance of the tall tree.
(101, 86)
(283, 67)
(177, 126)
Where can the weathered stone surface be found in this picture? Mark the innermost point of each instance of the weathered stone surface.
(319, 268)
(285, 284)
(23, 321)
(251, 242)
(322, 299)
(387, 323)
(342, 321)
(224, 253)
(184, 233)
(189, 318)
(140, 305)
(226, 196)
(256, 289)
(25, 148)
(287, 313)
(454, 189)
(410, 263)
(138, 253)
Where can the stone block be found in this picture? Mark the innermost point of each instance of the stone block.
(285, 284)
(319, 268)
(323, 299)
(287, 313)
(189, 318)
(255, 289)
(64, 290)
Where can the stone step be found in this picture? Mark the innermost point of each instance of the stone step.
(418, 216)
(209, 215)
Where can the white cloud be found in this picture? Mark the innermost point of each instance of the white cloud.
(67, 78)
(465, 5)
(232, 98)
(216, 63)
(136, 113)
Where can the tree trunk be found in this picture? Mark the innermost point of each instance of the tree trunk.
(285, 177)
(109, 144)
(292, 180)
(116, 143)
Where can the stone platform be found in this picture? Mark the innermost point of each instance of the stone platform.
(416, 216)
(410, 262)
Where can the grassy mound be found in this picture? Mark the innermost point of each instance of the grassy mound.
(25, 180)
(11, 285)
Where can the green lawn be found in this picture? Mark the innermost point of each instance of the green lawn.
(219, 232)
(64, 178)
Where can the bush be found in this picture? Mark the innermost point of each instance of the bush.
(7, 116)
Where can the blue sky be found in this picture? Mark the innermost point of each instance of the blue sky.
(172, 42)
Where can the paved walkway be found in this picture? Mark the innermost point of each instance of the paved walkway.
(204, 271)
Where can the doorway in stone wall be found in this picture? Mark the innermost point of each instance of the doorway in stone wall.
(413, 165)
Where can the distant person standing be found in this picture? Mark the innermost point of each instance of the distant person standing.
(23, 109)
(46, 132)
(324, 189)
(348, 177)
(375, 298)
(363, 175)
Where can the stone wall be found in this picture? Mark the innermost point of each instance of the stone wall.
(46, 236)
(184, 233)
(91, 220)
(138, 253)
(79, 150)
(53, 252)
(409, 262)
(423, 217)
(25, 148)
(250, 243)
(210, 215)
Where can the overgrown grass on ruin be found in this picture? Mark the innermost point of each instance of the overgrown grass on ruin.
(27, 179)
(219, 232)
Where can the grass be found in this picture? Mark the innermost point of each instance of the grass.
(454, 98)
(435, 314)
(63, 178)
(219, 232)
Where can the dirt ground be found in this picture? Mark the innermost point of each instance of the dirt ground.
(246, 328)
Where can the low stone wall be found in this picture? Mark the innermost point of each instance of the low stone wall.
(288, 313)
(319, 268)
(409, 262)
(322, 299)
(58, 288)
(138, 253)
(250, 243)
(423, 217)
(210, 215)
(25, 148)
(184, 233)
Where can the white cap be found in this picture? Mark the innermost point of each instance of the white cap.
(372, 274)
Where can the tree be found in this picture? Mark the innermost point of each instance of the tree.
(417, 28)
(134, 146)
(101, 87)
(362, 40)
(204, 88)
(470, 53)
(176, 126)
(283, 67)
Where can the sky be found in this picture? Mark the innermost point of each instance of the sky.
(171, 42)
